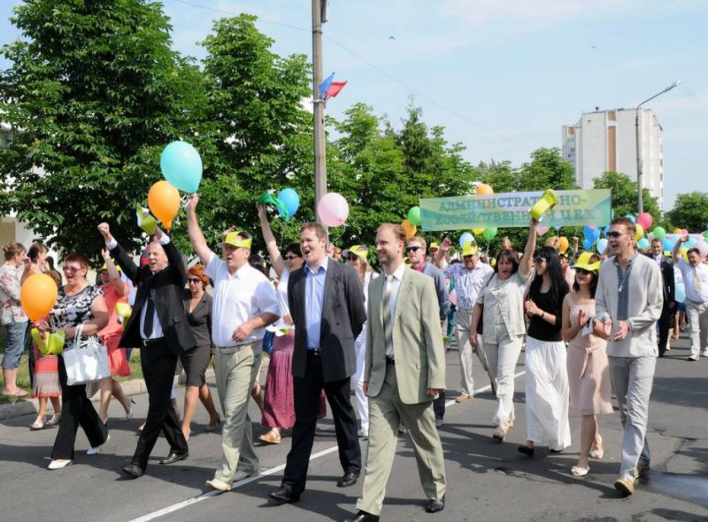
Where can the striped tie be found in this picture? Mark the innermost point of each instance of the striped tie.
(696, 282)
(387, 320)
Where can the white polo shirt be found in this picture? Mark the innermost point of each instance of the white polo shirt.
(237, 299)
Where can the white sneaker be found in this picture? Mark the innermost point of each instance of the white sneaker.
(704, 353)
(693, 358)
(59, 464)
(97, 449)
(218, 485)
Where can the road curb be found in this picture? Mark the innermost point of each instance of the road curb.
(130, 387)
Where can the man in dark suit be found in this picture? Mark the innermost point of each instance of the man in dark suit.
(159, 326)
(667, 275)
(327, 306)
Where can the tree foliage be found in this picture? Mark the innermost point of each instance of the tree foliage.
(624, 195)
(690, 212)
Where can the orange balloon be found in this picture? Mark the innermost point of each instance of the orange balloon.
(563, 244)
(677, 231)
(163, 200)
(484, 190)
(38, 295)
(410, 229)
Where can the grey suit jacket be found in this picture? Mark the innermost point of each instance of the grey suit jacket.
(343, 317)
(440, 288)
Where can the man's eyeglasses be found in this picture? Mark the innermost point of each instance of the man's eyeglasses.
(412, 249)
(613, 234)
(194, 280)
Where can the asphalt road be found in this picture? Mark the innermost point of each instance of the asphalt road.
(486, 481)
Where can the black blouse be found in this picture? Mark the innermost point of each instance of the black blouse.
(200, 318)
(541, 329)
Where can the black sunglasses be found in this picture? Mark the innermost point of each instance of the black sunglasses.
(290, 257)
(614, 234)
(539, 259)
(583, 271)
(352, 257)
(412, 248)
(194, 280)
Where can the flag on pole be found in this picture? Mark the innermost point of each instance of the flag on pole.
(333, 90)
(325, 85)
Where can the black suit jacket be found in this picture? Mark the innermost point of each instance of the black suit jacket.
(667, 274)
(168, 285)
(343, 317)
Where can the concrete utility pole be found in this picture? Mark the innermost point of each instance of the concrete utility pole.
(318, 104)
(640, 163)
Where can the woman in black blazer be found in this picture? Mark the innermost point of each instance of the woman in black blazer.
(195, 362)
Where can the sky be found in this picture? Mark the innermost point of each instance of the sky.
(502, 76)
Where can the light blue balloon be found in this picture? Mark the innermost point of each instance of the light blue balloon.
(668, 245)
(690, 243)
(181, 165)
(680, 293)
(466, 238)
(602, 245)
(606, 230)
(632, 218)
(589, 232)
(290, 199)
(587, 244)
(643, 243)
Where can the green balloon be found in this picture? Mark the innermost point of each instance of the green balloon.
(414, 216)
(659, 233)
(489, 233)
(705, 235)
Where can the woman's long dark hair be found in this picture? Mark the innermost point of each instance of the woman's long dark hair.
(558, 285)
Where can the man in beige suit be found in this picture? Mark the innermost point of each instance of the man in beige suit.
(403, 373)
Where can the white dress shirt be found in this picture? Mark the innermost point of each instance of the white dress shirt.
(688, 273)
(238, 298)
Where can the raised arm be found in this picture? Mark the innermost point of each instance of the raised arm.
(677, 248)
(276, 260)
(527, 261)
(195, 233)
(441, 260)
(119, 253)
(174, 258)
(113, 274)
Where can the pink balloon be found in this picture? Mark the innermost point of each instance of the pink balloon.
(702, 247)
(541, 230)
(333, 209)
(684, 231)
(645, 220)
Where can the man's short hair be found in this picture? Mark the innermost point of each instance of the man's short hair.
(397, 230)
(420, 240)
(657, 240)
(694, 249)
(319, 229)
(628, 223)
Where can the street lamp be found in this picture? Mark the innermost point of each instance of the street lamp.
(639, 153)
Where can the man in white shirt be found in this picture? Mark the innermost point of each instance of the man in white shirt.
(469, 278)
(244, 303)
(695, 280)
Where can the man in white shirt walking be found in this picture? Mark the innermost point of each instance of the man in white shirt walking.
(629, 300)
(244, 304)
(695, 280)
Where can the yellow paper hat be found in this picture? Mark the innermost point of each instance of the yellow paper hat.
(237, 240)
(469, 249)
(360, 251)
(105, 266)
(585, 264)
(433, 245)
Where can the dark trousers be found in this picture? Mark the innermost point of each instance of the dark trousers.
(439, 406)
(158, 364)
(664, 327)
(77, 410)
(307, 401)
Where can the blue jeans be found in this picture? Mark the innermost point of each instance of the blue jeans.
(15, 344)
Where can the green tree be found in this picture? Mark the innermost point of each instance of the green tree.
(92, 94)
(254, 135)
(690, 211)
(624, 195)
(547, 169)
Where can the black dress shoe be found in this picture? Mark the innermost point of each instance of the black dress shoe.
(526, 450)
(133, 471)
(363, 516)
(284, 496)
(349, 479)
(174, 457)
(435, 506)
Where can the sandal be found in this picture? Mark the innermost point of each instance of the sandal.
(38, 424)
(271, 437)
(577, 471)
(213, 426)
(54, 420)
(499, 434)
(597, 453)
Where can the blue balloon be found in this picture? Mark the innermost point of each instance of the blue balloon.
(181, 165)
(631, 218)
(690, 243)
(466, 238)
(680, 293)
(589, 232)
(290, 199)
(587, 244)
(606, 230)
(602, 245)
(668, 245)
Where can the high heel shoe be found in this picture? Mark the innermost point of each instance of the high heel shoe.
(39, 423)
(129, 414)
(54, 420)
(597, 453)
(213, 426)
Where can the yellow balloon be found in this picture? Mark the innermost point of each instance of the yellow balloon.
(477, 231)
(163, 200)
(640, 232)
(38, 295)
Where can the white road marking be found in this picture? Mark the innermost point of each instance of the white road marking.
(204, 496)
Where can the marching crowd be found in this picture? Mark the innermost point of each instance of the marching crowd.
(590, 325)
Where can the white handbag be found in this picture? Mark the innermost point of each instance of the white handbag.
(87, 361)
